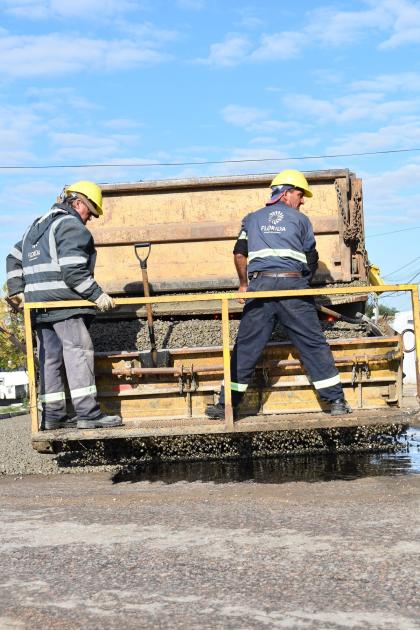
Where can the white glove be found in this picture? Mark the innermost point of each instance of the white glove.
(105, 302)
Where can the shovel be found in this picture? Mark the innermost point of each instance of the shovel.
(154, 358)
(372, 328)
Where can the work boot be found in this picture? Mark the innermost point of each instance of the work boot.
(217, 412)
(101, 422)
(63, 423)
(340, 407)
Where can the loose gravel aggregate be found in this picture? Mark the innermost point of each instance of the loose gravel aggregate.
(17, 457)
(132, 335)
(177, 332)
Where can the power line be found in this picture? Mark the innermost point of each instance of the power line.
(416, 227)
(203, 163)
(401, 268)
(413, 277)
(394, 294)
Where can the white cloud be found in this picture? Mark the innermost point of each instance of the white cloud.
(263, 140)
(383, 196)
(193, 5)
(18, 128)
(406, 24)
(326, 77)
(396, 20)
(122, 123)
(256, 120)
(250, 18)
(400, 136)
(278, 46)
(82, 9)
(335, 28)
(30, 56)
(236, 155)
(350, 108)
(149, 34)
(84, 148)
(407, 81)
(242, 116)
(230, 52)
(51, 99)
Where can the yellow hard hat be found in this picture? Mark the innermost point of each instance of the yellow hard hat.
(290, 177)
(91, 192)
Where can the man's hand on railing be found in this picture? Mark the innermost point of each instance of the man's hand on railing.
(243, 288)
(105, 302)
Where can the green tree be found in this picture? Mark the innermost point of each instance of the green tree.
(11, 356)
(389, 311)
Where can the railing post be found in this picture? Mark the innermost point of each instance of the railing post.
(226, 365)
(416, 322)
(33, 405)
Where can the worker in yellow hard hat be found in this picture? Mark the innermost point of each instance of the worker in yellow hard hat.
(87, 192)
(276, 251)
(53, 262)
(293, 179)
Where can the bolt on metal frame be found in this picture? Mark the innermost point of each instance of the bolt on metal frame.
(224, 299)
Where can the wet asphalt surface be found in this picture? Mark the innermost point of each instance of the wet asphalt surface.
(100, 551)
(291, 542)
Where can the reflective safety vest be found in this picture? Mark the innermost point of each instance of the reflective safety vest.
(54, 261)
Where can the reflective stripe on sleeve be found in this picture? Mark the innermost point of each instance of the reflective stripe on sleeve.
(281, 253)
(18, 273)
(41, 268)
(83, 391)
(327, 382)
(84, 285)
(54, 397)
(72, 260)
(51, 238)
(52, 210)
(16, 253)
(45, 286)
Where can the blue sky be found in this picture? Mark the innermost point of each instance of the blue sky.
(123, 82)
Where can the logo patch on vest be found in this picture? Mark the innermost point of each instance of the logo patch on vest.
(274, 218)
(34, 254)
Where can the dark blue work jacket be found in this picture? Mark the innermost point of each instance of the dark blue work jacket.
(276, 238)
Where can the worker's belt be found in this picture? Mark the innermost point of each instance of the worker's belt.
(275, 274)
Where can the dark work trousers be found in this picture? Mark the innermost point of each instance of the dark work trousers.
(65, 350)
(299, 318)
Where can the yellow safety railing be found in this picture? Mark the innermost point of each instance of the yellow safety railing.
(224, 298)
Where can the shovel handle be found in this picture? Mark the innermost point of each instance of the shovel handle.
(339, 316)
(327, 311)
(142, 259)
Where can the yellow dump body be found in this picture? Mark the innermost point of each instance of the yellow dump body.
(369, 370)
(171, 400)
(192, 225)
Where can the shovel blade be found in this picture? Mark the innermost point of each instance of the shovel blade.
(148, 361)
(373, 328)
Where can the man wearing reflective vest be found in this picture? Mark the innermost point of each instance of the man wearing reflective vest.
(275, 251)
(54, 261)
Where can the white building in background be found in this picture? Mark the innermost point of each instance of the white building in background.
(404, 321)
(13, 385)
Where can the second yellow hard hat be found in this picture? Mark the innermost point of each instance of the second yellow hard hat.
(290, 177)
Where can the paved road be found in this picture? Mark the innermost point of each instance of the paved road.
(82, 551)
